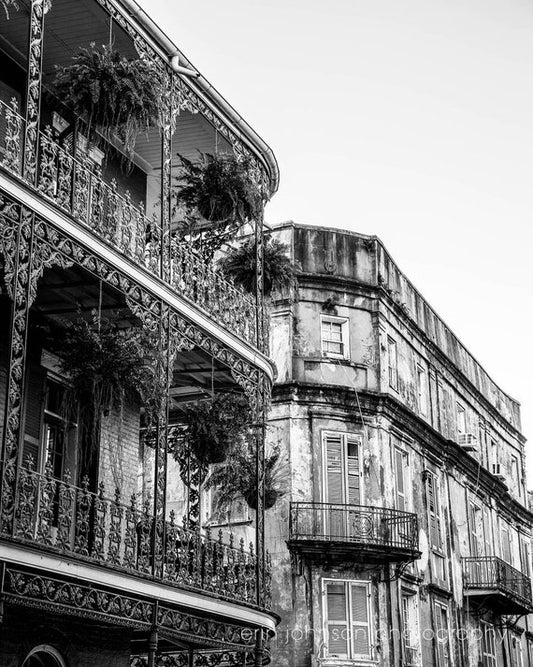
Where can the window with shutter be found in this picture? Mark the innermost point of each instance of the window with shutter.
(337, 620)
(335, 469)
(401, 473)
(477, 541)
(343, 469)
(360, 621)
(393, 362)
(348, 620)
(410, 632)
(505, 540)
(442, 635)
(524, 557)
(434, 513)
(488, 645)
(353, 471)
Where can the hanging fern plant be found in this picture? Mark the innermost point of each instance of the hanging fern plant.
(218, 195)
(116, 95)
(238, 478)
(107, 365)
(213, 425)
(240, 264)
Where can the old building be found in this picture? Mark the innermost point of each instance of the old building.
(111, 326)
(406, 536)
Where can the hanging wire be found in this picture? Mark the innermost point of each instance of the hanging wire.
(99, 305)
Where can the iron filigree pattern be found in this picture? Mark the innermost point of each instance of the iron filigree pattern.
(55, 595)
(33, 92)
(199, 659)
(20, 281)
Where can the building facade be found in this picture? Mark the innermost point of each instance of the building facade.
(103, 559)
(406, 536)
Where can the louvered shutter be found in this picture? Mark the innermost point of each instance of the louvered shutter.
(487, 532)
(400, 465)
(337, 621)
(524, 557)
(334, 471)
(434, 512)
(354, 472)
(360, 621)
(506, 543)
(34, 400)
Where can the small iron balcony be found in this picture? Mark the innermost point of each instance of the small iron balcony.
(490, 581)
(347, 533)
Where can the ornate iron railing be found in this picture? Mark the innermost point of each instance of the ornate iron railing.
(61, 517)
(355, 524)
(491, 572)
(74, 183)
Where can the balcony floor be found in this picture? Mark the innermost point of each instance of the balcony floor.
(498, 600)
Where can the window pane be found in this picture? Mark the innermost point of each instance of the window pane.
(337, 640)
(336, 602)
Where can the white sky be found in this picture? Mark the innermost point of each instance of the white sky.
(408, 119)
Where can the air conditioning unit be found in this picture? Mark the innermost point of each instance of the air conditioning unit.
(497, 471)
(468, 442)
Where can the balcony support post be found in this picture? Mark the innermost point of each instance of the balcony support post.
(161, 431)
(261, 398)
(167, 130)
(258, 652)
(260, 282)
(22, 288)
(33, 91)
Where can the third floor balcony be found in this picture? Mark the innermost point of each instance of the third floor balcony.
(491, 582)
(342, 533)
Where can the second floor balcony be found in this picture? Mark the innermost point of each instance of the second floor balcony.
(342, 533)
(77, 187)
(491, 582)
(56, 517)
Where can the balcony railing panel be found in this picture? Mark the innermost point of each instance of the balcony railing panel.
(75, 184)
(488, 573)
(61, 517)
(376, 527)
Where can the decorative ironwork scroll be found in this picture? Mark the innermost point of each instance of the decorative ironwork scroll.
(33, 92)
(20, 282)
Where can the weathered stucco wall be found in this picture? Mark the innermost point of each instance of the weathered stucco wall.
(317, 394)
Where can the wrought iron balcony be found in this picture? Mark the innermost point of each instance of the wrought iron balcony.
(490, 581)
(64, 519)
(325, 531)
(75, 185)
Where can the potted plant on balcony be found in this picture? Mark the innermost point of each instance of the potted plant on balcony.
(240, 264)
(237, 478)
(218, 195)
(114, 94)
(105, 366)
(213, 425)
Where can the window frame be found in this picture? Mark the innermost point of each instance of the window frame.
(444, 657)
(422, 389)
(344, 323)
(488, 658)
(349, 584)
(392, 367)
(345, 440)
(461, 418)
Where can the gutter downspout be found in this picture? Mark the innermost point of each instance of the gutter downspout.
(242, 129)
